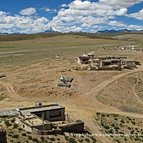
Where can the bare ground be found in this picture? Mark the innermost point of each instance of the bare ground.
(91, 91)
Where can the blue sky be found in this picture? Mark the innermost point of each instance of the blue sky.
(33, 16)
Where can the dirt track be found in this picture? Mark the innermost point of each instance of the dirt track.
(9, 88)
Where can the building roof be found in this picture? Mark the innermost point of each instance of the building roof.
(30, 110)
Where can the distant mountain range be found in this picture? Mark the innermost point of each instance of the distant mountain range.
(119, 31)
(52, 30)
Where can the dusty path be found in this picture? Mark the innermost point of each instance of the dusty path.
(137, 97)
(95, 91)
(11, 92)
(9, 88)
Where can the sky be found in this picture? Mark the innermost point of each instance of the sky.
(34, 16)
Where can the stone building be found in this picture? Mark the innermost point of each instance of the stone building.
(107, 62)
(47, 119)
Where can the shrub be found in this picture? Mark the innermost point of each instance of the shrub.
(116, 128)
(10, 135)
(7, 123)
(11, 141)
(122, 121)
(87, 140)
(80, 140)
(15, 126)
(30, 137)
(111, 131)
(42, 138)
(20, 129)
(125, 139)
(106, 127)
(13, 120)
(24, 134)
(71, 140)
(66, 138)
(15, 136)
(133, 123)
(117, 141)
(93, 139)
(52, 139)
(132, 132)
(35, 140)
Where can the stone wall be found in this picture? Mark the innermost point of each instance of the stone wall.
(75, 127)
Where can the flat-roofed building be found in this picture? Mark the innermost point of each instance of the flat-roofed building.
(52, 112)
(47, 119)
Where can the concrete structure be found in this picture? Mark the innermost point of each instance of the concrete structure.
(47, 119)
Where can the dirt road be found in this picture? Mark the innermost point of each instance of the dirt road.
(9, 88)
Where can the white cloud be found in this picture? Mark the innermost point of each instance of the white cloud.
(28, 11)
(137, 15)
(46, 9)
(76, 16)
(2, 13)
(22, 24)
(122, 11)
(85, 13)
(120, 3)
(64, 5)
(78, 4)
(117, 24)
(135, 27)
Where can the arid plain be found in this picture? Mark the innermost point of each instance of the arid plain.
(33, 67)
